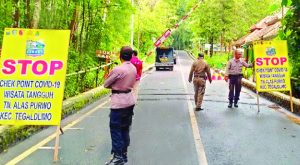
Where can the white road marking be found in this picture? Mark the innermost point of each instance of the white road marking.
(48, 148)
(52, 136)
(196, 133)
(74, 128)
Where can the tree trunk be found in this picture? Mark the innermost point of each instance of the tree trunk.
(73, 24)
(28, 19)
(99, 35)
(138, 40)
(81, 56)
(82, 28)
(89, 21)
(16, 14)
(222, 39)
(211, 42)
(36, 14)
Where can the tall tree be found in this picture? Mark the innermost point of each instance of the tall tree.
(222, 21)
(74, 21)
(291, 33)
(28, 18)
(16, 14)
(36, 14)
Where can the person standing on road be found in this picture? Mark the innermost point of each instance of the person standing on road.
(121, 81)
(139, 68)
(200, 71)
(234, 74)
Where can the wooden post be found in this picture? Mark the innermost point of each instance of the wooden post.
(257, 93)
(106, 68)
(97, 72)
(291, 100)
(55, 155)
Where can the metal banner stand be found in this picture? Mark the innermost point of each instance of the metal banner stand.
(291, 100)
(258, 110)
(56, 146)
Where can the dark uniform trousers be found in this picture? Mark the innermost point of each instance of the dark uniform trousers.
(120, 122)
(199, 88)
(235, 86)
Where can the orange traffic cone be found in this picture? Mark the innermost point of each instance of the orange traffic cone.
(214, 77)
(219, 77)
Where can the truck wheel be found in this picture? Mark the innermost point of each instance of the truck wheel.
(156, 68)
(171, 68)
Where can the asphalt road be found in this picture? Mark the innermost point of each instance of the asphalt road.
(166, 130)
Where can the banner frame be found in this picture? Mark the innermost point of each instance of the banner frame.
(257, 92)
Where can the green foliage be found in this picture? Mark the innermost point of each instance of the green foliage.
(218, 60)
(247, 72)
(286, 2)
(71, 87)
(150, 59)
(223, 21)
(181, 38)
(152, 19)
(98, 25)
(291, 33)
(14, 134)
(6, 17)
(81, 100)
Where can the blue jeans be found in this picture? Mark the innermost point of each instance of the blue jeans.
(235, 86)
(120, 122)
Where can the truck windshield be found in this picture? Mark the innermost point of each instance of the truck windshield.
(164, 54)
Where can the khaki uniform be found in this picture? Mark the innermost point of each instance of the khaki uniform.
(199, 72)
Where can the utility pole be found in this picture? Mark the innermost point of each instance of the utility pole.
(132, 25)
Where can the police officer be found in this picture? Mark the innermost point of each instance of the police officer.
(121, 80)
(234, 74)
(200, 71)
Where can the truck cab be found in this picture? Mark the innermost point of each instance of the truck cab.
(164, 58)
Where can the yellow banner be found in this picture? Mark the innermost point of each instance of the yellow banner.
(32, 79)
(271, 66)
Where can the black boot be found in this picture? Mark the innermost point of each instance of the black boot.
(236, 104)
(125, 157)
(230, 103)
(199, 109)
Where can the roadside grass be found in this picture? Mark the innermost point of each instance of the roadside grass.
(218, 60)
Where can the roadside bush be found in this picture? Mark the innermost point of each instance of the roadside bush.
(218, 61)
